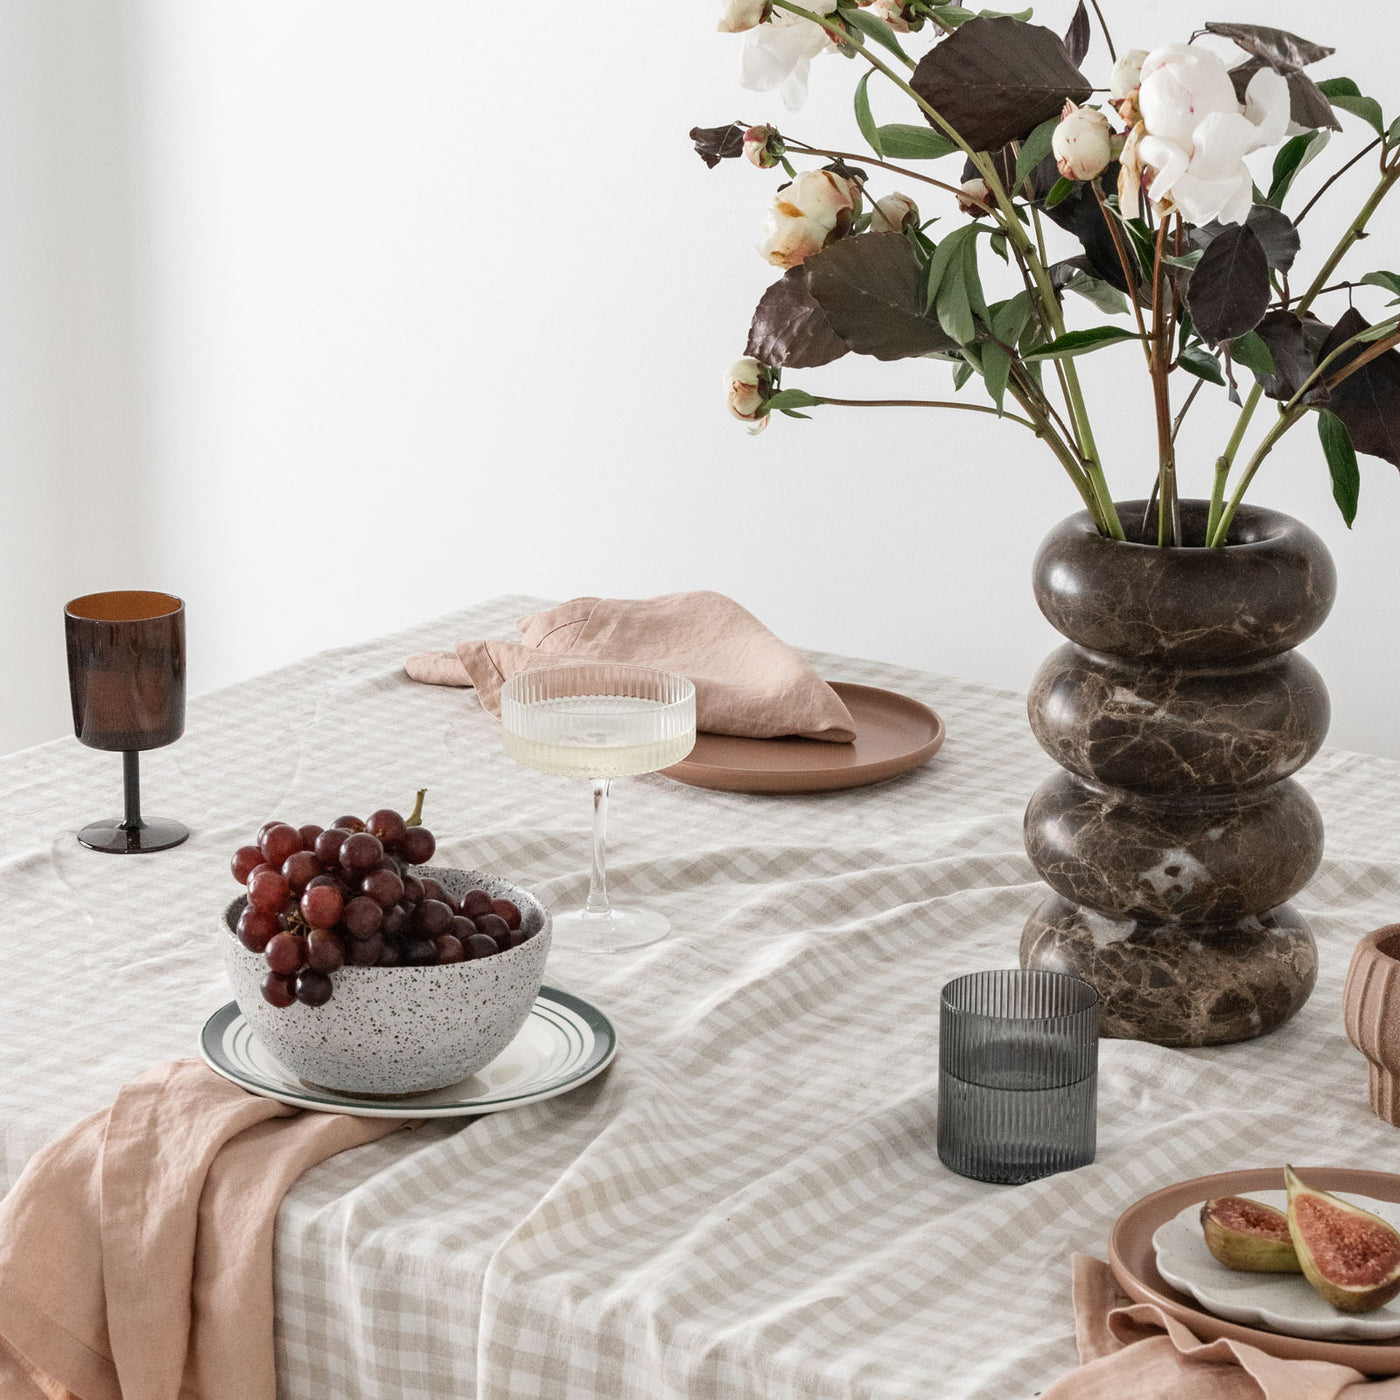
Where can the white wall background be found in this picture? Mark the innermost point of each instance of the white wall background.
(332, 315)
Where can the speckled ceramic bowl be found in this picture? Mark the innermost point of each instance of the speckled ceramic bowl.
(400, 1030)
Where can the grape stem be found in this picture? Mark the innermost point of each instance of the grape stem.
(416, 819)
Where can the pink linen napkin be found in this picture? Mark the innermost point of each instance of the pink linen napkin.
(747, 682)
(1136, 1349)
(136, 1250)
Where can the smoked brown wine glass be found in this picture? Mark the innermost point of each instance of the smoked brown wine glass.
(126, 676)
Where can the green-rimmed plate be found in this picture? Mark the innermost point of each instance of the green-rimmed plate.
(565, 1042)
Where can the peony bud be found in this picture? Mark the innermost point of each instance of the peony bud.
(893, 214)
(812, 211)
(746, 387)
(1081, 143)
(735, 16)
(763, 146)
(894, 12)
(1127, 75)
(978, 197)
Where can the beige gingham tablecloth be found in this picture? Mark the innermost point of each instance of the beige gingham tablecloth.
(749, 1203)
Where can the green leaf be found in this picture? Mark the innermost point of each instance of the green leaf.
(996, 370)
(786, 399)
(875, 29)
(1389, 280)
(1393, 134)
(954, 305)
(962, 374)
(946, 257)
(1338, 87)
(1367, 108)
(1379, 331)
(1197, 360)
(902, 141)
(864, 120)
(1074, 343)
(1034, 149)
(1101, 294)
(1250, 351)
(1059, 192)
(997, 242)
(1291, 158)
(1008, 318)
(1341, 462)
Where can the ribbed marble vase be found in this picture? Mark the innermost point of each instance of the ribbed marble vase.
(1174, 835)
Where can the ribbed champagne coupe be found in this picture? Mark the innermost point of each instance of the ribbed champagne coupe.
(600, 721)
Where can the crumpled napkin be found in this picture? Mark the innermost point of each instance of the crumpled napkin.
(136, 1250)
(1136, 1350)
(747, 682)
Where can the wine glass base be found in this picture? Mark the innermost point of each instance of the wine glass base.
(613, 932)
(158, 834)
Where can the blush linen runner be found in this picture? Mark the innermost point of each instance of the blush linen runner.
(1136, 1350)
(747, 681)
(136, 1250)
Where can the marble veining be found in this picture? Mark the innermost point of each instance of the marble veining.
(1174, 836)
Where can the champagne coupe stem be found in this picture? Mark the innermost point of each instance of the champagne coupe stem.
(598, 882)
(131, 775)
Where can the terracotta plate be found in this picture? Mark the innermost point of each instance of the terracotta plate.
(1134, 1265)
(893, 735)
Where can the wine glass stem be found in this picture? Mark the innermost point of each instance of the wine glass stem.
(131, 776)
(598, 882)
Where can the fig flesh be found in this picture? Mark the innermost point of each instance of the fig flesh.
(1349, 1255)
(1249, 1236)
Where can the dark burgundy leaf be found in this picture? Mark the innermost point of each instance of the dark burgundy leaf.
(1368, 401)
(996, 80)
(1079, 213)
(1229, 290)
(1282, 51)
(716, 143)
(789, 329)
(1307, 105)
(1077, 36)
(869, 288)
(1272, 227)
(1294, 347)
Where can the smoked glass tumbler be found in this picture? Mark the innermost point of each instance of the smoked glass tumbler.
(1018, 1055)
(126, 676)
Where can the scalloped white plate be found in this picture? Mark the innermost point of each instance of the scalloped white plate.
(1281, 1302)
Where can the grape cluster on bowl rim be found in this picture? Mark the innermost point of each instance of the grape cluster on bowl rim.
(322, 897)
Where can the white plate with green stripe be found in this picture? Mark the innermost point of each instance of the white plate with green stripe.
(565, 1042)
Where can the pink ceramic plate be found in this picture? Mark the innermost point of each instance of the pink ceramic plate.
(1134, 1263)
(893, 735)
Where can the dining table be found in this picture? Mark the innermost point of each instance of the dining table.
(749, 1201)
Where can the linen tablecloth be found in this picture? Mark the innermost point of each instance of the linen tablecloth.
(749, 1203)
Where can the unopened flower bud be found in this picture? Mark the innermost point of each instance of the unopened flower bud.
(763, 146)
(893, 214)
(976, 197)
(747, 385)
(735, 16)
(812, 211)
(1081, 143)
(1127, 74)
(894, 12)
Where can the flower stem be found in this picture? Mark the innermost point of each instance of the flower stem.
(927, 403)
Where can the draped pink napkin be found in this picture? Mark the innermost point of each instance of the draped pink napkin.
(1136, 1350)
(747, 682)
(136, 1251)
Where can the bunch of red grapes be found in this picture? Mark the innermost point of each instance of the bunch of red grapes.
(322, 897)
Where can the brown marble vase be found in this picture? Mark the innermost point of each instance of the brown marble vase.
(1178, 710)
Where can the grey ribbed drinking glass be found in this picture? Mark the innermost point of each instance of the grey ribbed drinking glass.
(1018, 1055)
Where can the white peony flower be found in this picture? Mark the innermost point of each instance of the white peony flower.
(735, 16)
(1196, 134)
(893, 214)
(746, 386)
(806, 215)
(1127, 75)
(1081, 142)
(779, 53)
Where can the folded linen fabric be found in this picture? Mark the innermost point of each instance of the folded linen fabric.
(1136, 1349)
(136, 1250)
(747, 682)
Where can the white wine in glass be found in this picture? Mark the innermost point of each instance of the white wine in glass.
(601, 721)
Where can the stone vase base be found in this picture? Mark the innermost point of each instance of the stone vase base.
(1177, 985)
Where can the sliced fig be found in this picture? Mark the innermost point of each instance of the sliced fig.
(1249, 1236)
(1349, 1255)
